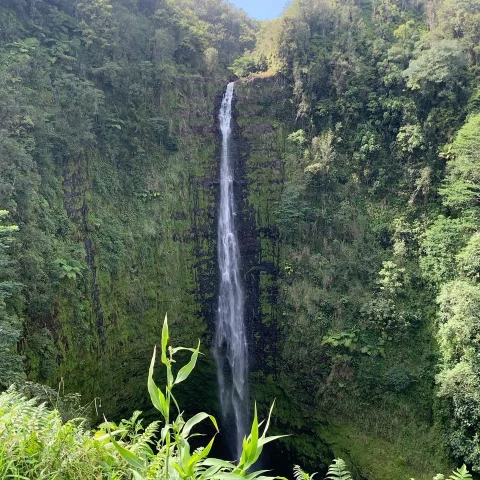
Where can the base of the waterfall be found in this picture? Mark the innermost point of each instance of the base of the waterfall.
(274, 458)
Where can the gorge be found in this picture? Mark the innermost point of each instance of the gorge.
(329, 198)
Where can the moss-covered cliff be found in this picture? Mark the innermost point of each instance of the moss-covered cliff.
(108, 147)
(356, 209)
(143, 232)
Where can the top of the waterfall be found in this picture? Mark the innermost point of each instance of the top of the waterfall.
(230, 88)
(225, 114)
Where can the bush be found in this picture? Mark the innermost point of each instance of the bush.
(398, 378)
(36, 444)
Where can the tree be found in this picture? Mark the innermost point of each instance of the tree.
(441, 243)
(460, 19)
(462, 183)
(441, 66)
(243, 65)
(459, 380)
(97, 23)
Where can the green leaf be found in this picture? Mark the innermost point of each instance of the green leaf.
(156, 395)
(254, 475)
(206, 450)
(196, 457)
(185, 371)
(460, 474)
(180, 349)
(267, 425)
(215, 462)
(228, 476)
(136, 475)
(165, 342)
(199, 417)
(108, 435)
(210, 472)
(178, 468)
(299, 474)
(128, 456)
(263, 441)
(254, 451)
(338, 471)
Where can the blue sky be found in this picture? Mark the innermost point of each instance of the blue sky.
(261, 9)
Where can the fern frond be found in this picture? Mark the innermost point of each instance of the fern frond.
(142, 442)
(299, 474)
(460, 474)
(338, 471)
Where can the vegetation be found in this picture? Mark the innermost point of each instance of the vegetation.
(103, 115)
(11, 368)
(357, 130)
(37, 444)
(378, 226)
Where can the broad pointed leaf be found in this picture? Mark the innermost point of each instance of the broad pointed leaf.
(165, 338)
(128, 456)
(185, 371)
(199, 417)
(156, 395)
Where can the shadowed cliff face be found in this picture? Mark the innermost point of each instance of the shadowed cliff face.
(285, 367)
(145, 227)
(142, 226)
(257, 187)
(259, 161)
(261, 117)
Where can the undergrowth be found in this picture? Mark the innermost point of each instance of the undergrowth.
(37, 444)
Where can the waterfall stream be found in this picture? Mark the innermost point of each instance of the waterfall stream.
(231, 350)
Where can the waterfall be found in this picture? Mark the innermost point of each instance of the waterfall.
(231, 350)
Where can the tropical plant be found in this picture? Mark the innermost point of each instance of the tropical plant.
(11, 368)
(459, 474)
(299, 474)
(338, 471)
(37, 444)
(174, 457)
(461, 186)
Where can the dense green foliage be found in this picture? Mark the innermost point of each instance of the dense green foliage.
(374, 226)
(37, 444)
(360, 126)
(11, 368)
(104, 130)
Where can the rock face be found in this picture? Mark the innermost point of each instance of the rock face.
(259, 104)
(143, 227)
(136, 237)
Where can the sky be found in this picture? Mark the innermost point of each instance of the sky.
(261, 9)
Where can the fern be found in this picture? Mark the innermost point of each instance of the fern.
(338, 471)
(141, 444)
(299, 474)
(36, 444)
(460, 474)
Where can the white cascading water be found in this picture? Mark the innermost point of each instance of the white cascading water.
(231, 350)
